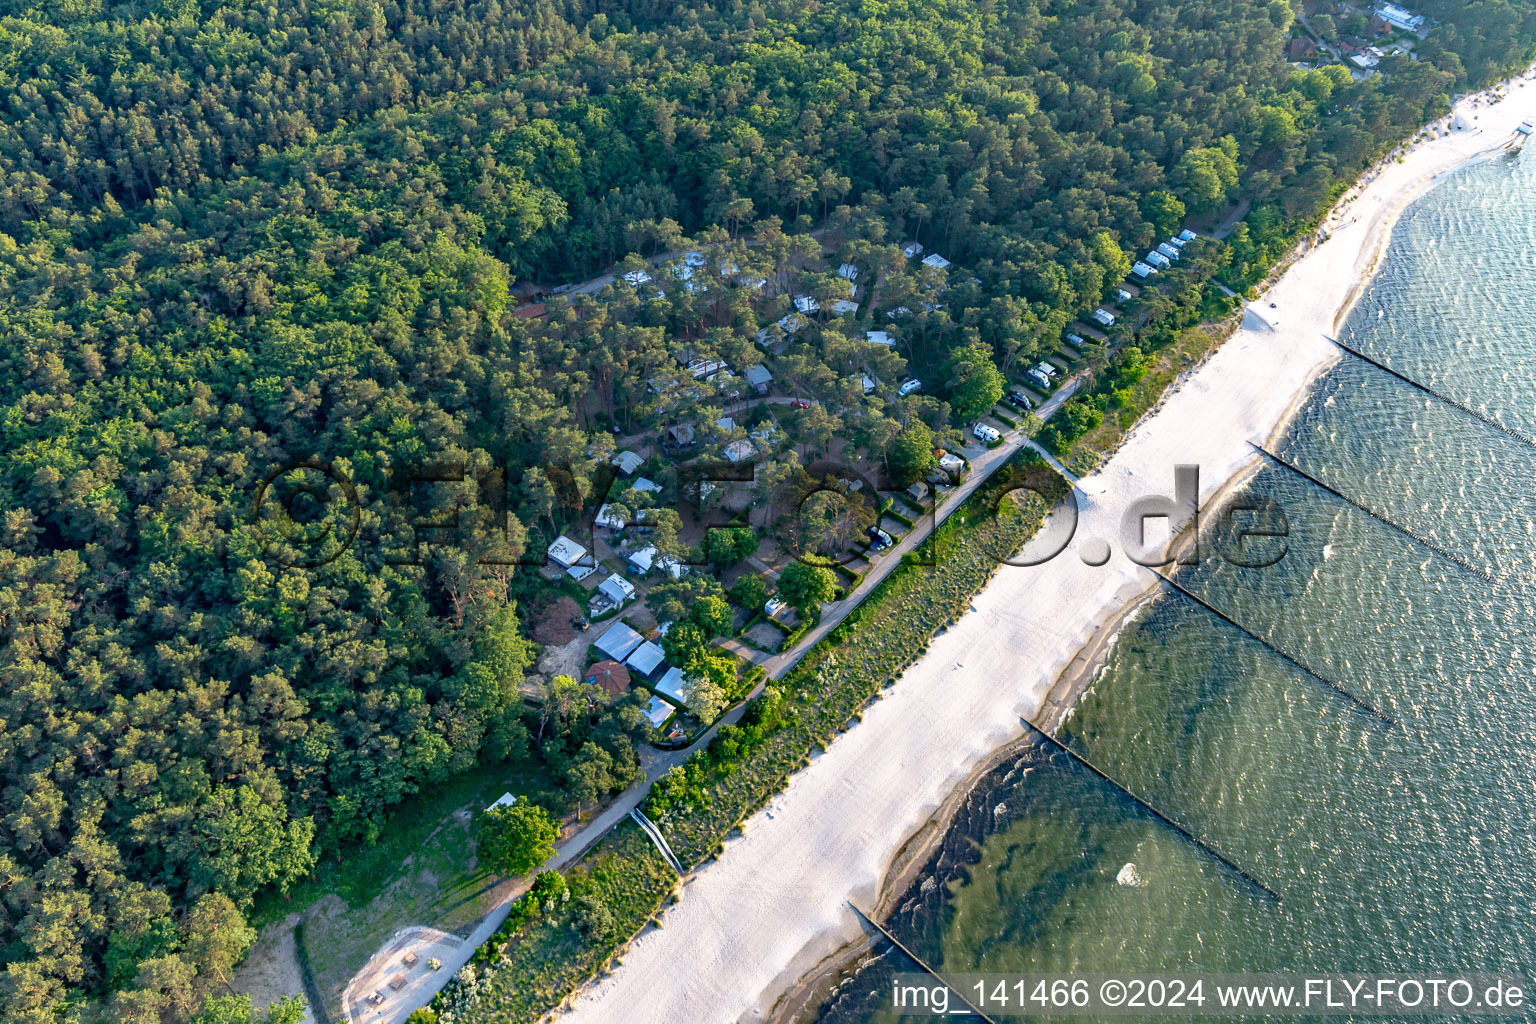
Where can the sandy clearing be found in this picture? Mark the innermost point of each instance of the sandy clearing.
(774, 904)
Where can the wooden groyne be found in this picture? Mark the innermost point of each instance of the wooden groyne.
(920, 962)
(1355, 702)
(1215, 854)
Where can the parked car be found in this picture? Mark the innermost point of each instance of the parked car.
(908, 386)
(985, 433)
(799, 403)
(1019, 400)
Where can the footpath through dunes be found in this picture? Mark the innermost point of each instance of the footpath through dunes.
(776, 903)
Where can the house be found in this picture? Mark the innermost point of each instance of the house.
(679, 437)
(505, 800)
(918, 492)
(804, 304)
(644, 560)
(670, 685)
(1400, 17)
(912, 250)
(565, 552)
(726, 424)
(740, 451)
(1366, 58)
(758, 378)
(627, 462)
(1143, 269)
(647, 485)
(610, 675)
(705, 369)
(842, 307)
(658, 711)
(617, 589)
(618, 642)
(1303, 49)
(848, 271)
(646, 660)
(936, 262)
(1104, 317)
(880, 338)
(606, 517)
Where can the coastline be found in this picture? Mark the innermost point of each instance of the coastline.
(757, 926)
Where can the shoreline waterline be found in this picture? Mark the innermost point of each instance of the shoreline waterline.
(753, 924)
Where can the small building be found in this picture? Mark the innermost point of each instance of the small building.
(842, 307)
(617, 589)
(565, 552)
(740, 451)
(644, 560)
(867, 383)
(610, 675)
(679, 437)
(646, 661)
(636, 278)
(804, 304)
(627, 462)
(658, 711)
(618, 641)
(936, 262)
(505, 800)
(1400, 17)
(1143, 269)
(912, 250)
(773, 606)
(607, 517)
(918, 492)
(758, 378)
(649, 486)
(1104, 317)
(880, 338)
(848, 272)
(670, 685)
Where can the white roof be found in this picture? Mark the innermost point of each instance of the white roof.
(1104, 316)
(936, 261)
(848, 270)
(636, 278)
(617, 589)
(505, 800)
(739, 451)
(842, 307)
(1125, 296)
(1188, 235)
(694, 258)
(792, 323)
(880, 338)
(1157, 259)
(658, 711)
(645, 484)
(619, 641)
(758, 375)
(806, 304)
(898, 311)
(866, 382)
(627, 461)
(643, 559)
(951, 461)
(580, 572)
(606, 517)
(1169, 250)
(1143, 270)
(671, 685)
(912, 249)
(646, 658)
(565, 551)
(725, 423)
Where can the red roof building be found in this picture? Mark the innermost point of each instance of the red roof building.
(611, 676)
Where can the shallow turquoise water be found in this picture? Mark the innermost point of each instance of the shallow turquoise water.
(1406, 849)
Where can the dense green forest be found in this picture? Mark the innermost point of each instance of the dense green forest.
(235, 237)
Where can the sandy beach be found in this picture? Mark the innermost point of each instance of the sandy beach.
(774, 905)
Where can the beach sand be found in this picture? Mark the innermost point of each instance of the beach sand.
(774, 905)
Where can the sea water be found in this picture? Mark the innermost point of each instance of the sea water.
(1400, 849)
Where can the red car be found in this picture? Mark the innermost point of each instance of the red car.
(799, 403)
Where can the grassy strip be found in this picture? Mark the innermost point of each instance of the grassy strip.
(547, 959)
(619, 887)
